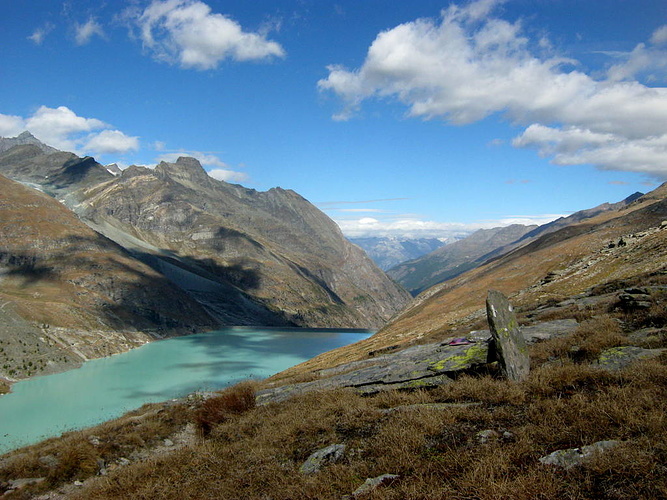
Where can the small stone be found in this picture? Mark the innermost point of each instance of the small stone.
(78, 483)
(322, 457)
(373, 483)
(123, 461)
(168, 442)
(94, 440)
(573, 457)
(484, 437)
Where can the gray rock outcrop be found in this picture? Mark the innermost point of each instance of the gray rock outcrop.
(573, 457)
(508, 343)
(420, 366)
(329, 455)
(617, 358)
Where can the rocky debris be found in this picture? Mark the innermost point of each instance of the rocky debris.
(329, 455)
(551, 276)
(617, 358)
(372, 483)
(648, 337)
(632, 299)
(489, 435)
(420, 366)
(573, 457)
(508, 343)
(14, 485)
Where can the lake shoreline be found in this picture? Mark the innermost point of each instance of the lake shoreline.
(105, 388)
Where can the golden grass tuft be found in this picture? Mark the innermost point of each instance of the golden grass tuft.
(233, 401)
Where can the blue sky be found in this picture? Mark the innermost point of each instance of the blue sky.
(418, 118)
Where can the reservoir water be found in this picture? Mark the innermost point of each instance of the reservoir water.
(106, 388)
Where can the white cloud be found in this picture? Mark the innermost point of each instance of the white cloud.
(112, 142)
(222, 174)
(11, 126)
(659, 36)
(418, 228)
(188, 33)
(40, 33)
(59, 127)
(84, 32)
(468, 65)
(63, 129)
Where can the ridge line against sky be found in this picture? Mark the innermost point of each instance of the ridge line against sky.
(430, 118)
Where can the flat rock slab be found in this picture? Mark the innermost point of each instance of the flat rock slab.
(509, 344)
(617, 358)
(420, 366)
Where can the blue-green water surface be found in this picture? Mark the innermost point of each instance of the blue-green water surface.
(106, 388)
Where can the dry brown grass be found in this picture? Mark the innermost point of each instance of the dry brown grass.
(584, 345)
(256, 454)
(78, 455)
(235, 400)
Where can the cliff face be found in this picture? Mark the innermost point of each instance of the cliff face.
(272, 248)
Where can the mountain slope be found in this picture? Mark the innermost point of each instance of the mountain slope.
(249, 258)
(273, 246)
(450, 261)
(81, 293)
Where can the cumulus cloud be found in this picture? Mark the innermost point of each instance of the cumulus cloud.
(63, 129)
(112, 142)
(187, 33)
(40, 33)
(11, 125)
(83, 33)
(468, 65)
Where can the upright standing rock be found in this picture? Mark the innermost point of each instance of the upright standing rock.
(509, 344)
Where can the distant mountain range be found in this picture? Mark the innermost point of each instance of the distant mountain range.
(387, 252)
(456, 258)
(170, 250)
(484, 245)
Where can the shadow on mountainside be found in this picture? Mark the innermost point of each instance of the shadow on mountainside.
(99, 280)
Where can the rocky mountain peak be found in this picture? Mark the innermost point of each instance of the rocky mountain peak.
(24, 138)
(186, 169)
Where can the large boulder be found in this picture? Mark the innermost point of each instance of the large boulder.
(508, 343)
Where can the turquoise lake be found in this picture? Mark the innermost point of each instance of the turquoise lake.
(106, 388)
